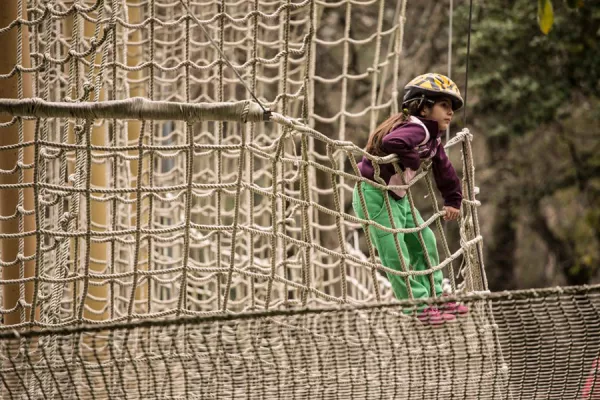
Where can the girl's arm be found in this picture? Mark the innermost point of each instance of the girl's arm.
(446, 179)
(402, 142)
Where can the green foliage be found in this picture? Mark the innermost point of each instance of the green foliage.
(536, 97)
(522, 78)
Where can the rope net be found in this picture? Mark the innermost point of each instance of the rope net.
(184, 213)
(360, 352)
(118, 210)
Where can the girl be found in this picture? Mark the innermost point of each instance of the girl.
(414, 135)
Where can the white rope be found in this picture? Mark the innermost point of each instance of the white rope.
(134, 108)
(450, 23)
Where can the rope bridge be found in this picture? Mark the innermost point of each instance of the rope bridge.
(369, 351)
(161, 239)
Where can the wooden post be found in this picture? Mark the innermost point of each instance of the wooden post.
(9, 88)
(10, 42)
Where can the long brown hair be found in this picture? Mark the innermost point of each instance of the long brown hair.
(376, 137)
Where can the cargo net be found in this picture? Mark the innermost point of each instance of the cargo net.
(140, 203)
(550, 341)
(130, 193)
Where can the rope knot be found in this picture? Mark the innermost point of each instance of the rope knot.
(245, 111)
(78, 129)
(464, 134)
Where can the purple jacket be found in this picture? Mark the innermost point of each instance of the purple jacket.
(407, 141)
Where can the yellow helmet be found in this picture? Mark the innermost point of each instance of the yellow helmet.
(431, 86)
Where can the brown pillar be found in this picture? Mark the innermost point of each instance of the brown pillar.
(9, 248)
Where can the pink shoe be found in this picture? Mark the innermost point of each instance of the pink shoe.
(455, 308)
(433, 316)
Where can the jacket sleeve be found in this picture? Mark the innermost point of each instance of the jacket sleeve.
(446, 179)
(403, 141)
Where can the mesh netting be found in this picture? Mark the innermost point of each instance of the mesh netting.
(549, 339)
(110, 220)
(139, 219)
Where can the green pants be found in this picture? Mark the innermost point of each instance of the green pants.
(409, 242)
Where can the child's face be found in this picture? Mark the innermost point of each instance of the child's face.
(440, 112)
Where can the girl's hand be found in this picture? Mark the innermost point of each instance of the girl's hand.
(451, 213)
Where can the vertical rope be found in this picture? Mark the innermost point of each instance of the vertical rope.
(138, 222)
(442, 226)
(274, 225)
(38, 236)
(113, 138)
(76, 177)
(466, 233)
(113, 207)
(219, 154)
(69, 136)
(395, 43)
(39, 175)
(21, 160)
(236, 212)
(338, 222)
(469, 176)
(308, 147)
(283, 91)
(375, 71)
(150, 11)
(50, 301)
(189, 174)
(250, 173)
(342, 126)
(85, 138)
(151, 161)
(189, 171)
(306, 214)
(468, 57)
(450, 23)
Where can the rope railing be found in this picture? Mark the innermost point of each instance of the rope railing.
(135, 108)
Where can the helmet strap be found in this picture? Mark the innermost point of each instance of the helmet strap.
(424, 101)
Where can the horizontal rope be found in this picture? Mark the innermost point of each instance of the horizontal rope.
(135, 108)
(507, 295)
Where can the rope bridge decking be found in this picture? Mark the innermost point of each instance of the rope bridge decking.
(549, 339)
